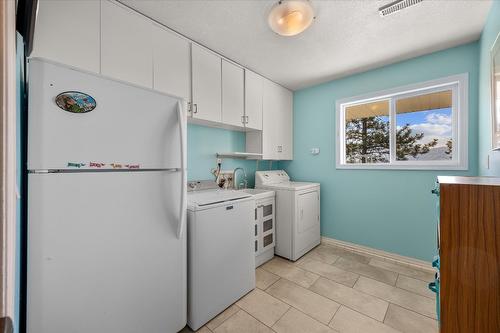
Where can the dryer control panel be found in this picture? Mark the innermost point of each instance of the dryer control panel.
(271, 177)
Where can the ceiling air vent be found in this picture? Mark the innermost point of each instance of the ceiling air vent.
(396, 6)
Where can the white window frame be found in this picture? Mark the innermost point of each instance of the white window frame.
(459, 84)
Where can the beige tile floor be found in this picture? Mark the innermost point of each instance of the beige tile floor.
(332, 290)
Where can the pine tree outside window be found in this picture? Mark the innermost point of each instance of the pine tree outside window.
(422, 126)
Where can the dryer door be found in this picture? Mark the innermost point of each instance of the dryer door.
(308, 220)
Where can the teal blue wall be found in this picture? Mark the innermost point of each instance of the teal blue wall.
(204, 142)
(384, 209)
(490, 32)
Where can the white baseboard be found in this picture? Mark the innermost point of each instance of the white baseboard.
(379, 254)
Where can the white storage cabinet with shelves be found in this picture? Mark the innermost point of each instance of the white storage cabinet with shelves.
(264, 228)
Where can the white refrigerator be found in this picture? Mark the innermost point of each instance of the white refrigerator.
(106, 205)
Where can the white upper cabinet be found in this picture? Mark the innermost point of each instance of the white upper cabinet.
(286, 118)
(270, 122)
(171, 63)
(109, 38)
(206, 85)
(253, 100)
(232, 94)
(126, 45)
(68, 32)
(277, 131)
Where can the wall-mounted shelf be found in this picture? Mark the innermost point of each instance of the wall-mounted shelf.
(248, 156)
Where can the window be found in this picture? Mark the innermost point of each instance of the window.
(422, 126)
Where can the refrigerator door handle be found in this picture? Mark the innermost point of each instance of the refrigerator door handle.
(183, 203)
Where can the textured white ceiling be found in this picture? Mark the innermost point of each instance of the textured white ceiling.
(347, 36)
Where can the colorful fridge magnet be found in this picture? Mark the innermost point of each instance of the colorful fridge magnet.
(96, 165)
(75, 165)
(132, 166)
(75, 102)
(116, 166)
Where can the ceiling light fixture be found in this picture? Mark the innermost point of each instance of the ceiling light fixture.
(396, 6)
(291, 17)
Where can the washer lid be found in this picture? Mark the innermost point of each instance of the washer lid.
(211, 197)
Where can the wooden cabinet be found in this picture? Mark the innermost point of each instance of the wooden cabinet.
(253, 100)
(68, 32)
(469, 249)
(275, 142)
(206, 85)
(232, 94)
(126, 45)
(171, 63)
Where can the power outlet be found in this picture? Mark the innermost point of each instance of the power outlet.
(314, 151)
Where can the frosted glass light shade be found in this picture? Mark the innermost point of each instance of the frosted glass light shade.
(291, 17)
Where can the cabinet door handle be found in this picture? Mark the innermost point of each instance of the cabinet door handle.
(195, 109)
(246, 119)
(243, 119)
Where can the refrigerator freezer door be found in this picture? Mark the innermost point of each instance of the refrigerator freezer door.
(129, 127)
(103, 253)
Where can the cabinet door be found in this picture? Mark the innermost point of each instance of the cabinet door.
(206, 81)
(171, 63)
(253, 100)
(126, 45)
(270, 123)
(68, 32)
(307, 229)
(232, 94)
(286, 121)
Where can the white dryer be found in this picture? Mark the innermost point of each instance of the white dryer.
(297, 213)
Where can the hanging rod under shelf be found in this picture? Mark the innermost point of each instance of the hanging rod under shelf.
(248, 156)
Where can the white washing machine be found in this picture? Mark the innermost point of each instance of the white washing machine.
(221, 261)
(297, 213)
